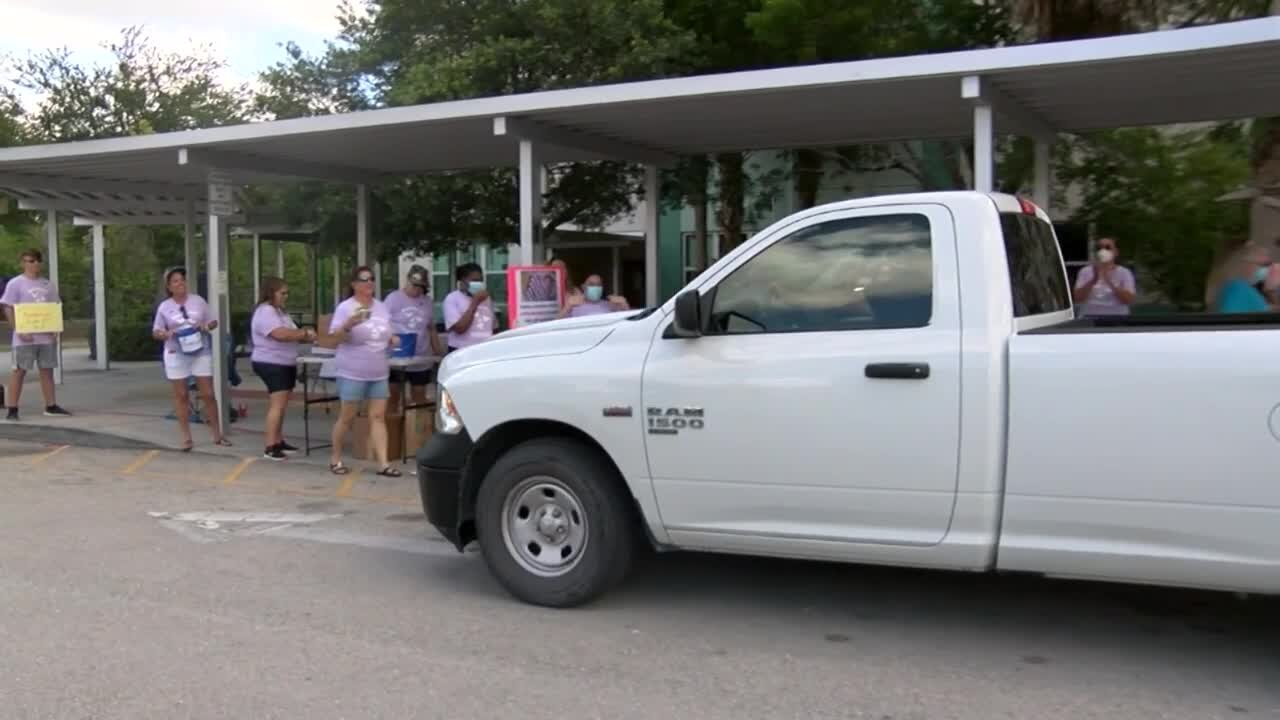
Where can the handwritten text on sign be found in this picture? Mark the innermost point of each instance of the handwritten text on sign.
(32, 318)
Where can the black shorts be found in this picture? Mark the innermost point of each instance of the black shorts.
(277, 378)
(417, 378)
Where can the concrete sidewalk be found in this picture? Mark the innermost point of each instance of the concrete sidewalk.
(129, 406)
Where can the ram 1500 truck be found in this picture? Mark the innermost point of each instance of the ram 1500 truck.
(896, 380)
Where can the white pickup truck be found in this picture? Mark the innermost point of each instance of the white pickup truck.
(896, 380)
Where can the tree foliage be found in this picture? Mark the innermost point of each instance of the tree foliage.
(1155, 192)
(143, 91)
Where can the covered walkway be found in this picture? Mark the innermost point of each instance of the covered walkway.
(1220, 72)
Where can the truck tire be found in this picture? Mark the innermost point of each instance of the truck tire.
(555, 523)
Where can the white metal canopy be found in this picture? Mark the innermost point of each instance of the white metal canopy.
(1217, 72)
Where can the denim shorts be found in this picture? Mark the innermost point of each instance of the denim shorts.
(357, 390)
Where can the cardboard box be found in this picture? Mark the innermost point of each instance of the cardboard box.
(323, 338)
(358, 438)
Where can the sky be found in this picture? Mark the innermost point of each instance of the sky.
(246, 33)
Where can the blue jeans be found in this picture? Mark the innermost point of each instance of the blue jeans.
(358, 390)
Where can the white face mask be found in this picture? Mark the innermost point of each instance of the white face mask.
(1106, 256)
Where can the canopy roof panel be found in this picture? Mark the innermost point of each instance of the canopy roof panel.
(1219, 72)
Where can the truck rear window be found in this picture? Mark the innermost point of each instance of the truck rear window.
(1036, 274)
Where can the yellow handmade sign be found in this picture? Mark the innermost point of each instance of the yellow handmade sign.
(36, 318)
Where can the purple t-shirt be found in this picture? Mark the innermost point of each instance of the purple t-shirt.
(266, 349)
(411, 315)
(455, 306)
(599, 307)
(363, 356)
(1102, 299)
(23, 289)
(170, 316)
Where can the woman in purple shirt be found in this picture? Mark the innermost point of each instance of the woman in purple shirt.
(592, 301)
(361, 326)
(275, 360)
(183, 323)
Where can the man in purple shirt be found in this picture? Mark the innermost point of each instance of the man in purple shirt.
(31, 351)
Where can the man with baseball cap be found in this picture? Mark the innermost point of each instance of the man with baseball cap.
(411, 312)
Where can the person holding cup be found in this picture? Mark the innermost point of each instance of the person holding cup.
(411, 314)
(361, 329)
(275, 360)
(183, 323)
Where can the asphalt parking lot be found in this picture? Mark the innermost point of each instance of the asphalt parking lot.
(149, 584)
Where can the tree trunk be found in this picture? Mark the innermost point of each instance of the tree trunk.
(731, 206)
(806, 168)
(698, 198)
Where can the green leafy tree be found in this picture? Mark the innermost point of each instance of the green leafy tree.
(1155, 191)
(143, 91)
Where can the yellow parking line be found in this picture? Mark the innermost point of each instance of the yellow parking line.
(45, 456)
(348, 482)
(237, 471)
(140, 462)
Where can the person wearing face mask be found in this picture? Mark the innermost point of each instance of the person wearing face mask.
(1245, 269)
(468, 311)
(592, 301)
(1105, 288)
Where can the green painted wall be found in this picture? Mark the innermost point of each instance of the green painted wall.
(670, 255)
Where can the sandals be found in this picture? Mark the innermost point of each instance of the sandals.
(338, 468)
(186, 446)
(390, 471)
(223, 442)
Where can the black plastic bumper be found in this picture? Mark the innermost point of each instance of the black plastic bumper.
(440, 469)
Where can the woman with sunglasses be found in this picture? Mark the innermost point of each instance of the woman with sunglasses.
(361, 327)
(183, 323)
(275, 360)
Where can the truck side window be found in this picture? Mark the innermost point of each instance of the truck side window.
(862, 273)
(1037, 280)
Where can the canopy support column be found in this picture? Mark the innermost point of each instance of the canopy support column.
(100, 296)
(51, 264)
(652, 206)
(984, 164)
(530, 200)
(216, 237)
(362, 225)
(280, 259)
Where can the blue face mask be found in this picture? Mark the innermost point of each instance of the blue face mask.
(1260, 274)
(594, 292)
(475, 286)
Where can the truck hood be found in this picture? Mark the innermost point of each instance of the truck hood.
(569, 336)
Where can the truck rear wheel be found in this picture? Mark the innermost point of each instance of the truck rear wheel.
(555, 524)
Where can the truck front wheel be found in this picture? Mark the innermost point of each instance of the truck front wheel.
(555, 523)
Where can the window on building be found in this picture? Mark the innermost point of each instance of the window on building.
(861, 273)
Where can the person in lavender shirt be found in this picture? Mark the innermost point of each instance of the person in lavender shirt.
(183, 323)
(361, 327)
(592, 301)
(1104, 287)
(468, 311)
(410, 310)
(31, 352)
(275, 360)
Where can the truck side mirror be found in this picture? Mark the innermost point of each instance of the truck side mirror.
(688, 315)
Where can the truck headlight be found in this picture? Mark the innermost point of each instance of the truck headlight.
(447, 419)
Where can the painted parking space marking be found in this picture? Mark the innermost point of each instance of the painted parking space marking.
(45, 456)
(140, 462)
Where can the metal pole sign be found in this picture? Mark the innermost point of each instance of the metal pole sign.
(222, 194)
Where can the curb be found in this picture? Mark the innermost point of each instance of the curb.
(53, 435)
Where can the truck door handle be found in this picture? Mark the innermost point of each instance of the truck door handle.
(898, 371)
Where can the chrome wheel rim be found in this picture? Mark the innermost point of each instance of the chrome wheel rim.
(544, 527)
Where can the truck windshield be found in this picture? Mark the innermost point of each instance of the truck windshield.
(1037, 276)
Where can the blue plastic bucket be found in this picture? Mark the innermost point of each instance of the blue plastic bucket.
(408, 345)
